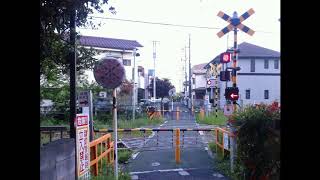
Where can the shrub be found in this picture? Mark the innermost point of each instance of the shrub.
(258, 147)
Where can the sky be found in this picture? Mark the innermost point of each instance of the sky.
(205, 44)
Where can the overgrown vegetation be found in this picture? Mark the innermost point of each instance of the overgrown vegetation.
(259, 141)
(107, 174)
(124, 155)
(258, 144)
(212, 119)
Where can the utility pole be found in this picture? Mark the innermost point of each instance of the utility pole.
(190, 74)
(134, 86)
(73, 62)
(154, 69)
(185, 71)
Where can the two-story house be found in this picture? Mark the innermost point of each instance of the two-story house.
(259, 77)
(121, 49)
(199, 81)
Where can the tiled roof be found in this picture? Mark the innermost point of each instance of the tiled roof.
(248, 50)
(198, 69)
(111, 43)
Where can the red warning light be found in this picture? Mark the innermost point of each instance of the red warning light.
(225, 57)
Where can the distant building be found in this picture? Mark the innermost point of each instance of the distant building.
(199, 81)
(259, 77)
(46, 106)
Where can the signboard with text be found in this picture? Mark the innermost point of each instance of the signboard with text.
(83, 99)
(82, 143)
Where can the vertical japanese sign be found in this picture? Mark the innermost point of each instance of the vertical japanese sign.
(83, 149)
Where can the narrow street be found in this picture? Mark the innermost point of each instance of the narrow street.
(157, 161)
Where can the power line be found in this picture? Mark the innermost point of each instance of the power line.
(164, 24)
(157, 23)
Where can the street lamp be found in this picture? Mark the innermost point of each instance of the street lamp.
(134, 84)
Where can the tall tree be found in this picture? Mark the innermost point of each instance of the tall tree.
(54, 27)
(162, 87)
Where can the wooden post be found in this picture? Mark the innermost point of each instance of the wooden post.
(177, 154)
(178, 113)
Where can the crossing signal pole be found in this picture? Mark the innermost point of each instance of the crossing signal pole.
(235, 24)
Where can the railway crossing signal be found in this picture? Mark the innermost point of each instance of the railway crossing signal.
(225, 57)
(232, 93)
(235, 22)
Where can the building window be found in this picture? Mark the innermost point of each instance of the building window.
(276, 64)
(266, 64)
(266, 94)
(247, 94)
(252, 65)
(127, 62)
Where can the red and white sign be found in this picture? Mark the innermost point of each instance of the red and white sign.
(225, 57)
(82, 120)
(82, 142)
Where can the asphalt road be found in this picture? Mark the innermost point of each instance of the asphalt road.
(155, 159)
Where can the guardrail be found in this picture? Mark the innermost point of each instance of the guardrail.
(221, 144)
(174, 140)
(106, 147)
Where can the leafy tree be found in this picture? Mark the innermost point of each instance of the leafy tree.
(162, 87)
(54, 27)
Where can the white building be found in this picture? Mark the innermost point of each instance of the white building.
(259, 78)
(198, 85)
(121, 49)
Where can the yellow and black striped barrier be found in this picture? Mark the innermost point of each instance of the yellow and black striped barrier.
(154, 129)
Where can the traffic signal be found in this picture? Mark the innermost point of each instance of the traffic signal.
(224, 75)
(225, 57)
(232, 93)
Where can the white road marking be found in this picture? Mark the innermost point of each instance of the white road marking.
(134, 177)
(162, 170)
(151, 136)
(155, 164)
(201, 133)
(218, 175)
(135, 155)
(183, 173)
(170, 170)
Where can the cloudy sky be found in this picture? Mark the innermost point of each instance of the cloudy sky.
(205, 44)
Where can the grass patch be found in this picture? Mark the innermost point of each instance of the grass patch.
(222, 164)
(212, 119)
(107, 174)
(140, 122)
(53, 122)
(124, 156)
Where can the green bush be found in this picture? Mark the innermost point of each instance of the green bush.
(124, 156)
(258, 147)
(212, 119)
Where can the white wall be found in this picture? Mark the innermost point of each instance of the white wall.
(256, 83)
(200, 81)
(245, 65)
